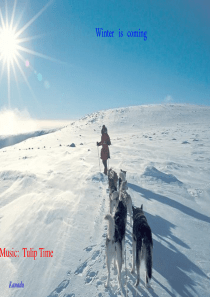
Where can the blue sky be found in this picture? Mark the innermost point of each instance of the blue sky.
(172, 65)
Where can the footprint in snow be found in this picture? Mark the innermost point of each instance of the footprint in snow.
(81, 268)
(89, 248)
(89, 262)
(62, 286)
(99, 283)
(95, 255)
(90, 276)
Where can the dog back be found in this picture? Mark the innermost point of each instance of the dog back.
(141, 229)
(120, 218)
(112, 176)
(112, 186)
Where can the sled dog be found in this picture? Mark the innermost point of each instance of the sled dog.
(113, 195)
(115, 240)
(113, 175)
(114, 200)
(112, 186)
(123, 186)
(142, 244)
(127, 197)
(122, 176)
(128, 201)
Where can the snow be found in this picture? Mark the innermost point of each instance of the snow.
(54, 196)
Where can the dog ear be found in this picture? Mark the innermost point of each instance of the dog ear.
(142, 207)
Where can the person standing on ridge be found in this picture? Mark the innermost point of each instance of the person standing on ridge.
(105, 141)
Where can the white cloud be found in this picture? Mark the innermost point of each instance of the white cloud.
(168, 99)
(14, 121)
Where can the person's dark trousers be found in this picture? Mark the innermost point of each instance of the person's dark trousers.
(105, 166)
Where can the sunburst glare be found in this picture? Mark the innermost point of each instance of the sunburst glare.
(8, 44)
(11, 46)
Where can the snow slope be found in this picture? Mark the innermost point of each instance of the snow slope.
(53, 196)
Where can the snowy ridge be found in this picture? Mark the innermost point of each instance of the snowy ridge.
(53, 196)
(145, 115)
(14, 139)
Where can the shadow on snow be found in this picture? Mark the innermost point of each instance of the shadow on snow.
(165, 200)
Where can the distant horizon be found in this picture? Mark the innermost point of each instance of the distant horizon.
(119, 107)
(17, 126)
(3, 110)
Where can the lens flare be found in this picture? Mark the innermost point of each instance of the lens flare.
(39, 77)
(27, 63)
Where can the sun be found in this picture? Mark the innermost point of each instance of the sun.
(12, 45)
(8, 45)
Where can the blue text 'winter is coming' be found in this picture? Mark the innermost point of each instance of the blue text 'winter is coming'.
(100, 32)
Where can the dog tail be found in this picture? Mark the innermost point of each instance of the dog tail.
(138, 257)
(111, 226)
(148, 257)
(129, 204)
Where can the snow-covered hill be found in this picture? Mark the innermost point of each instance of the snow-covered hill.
(53, 196)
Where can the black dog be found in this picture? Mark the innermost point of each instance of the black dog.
(142, 244)
(115, 241)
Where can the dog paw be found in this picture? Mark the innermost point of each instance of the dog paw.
(148, 285)
(132, 271)
(106, 285)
